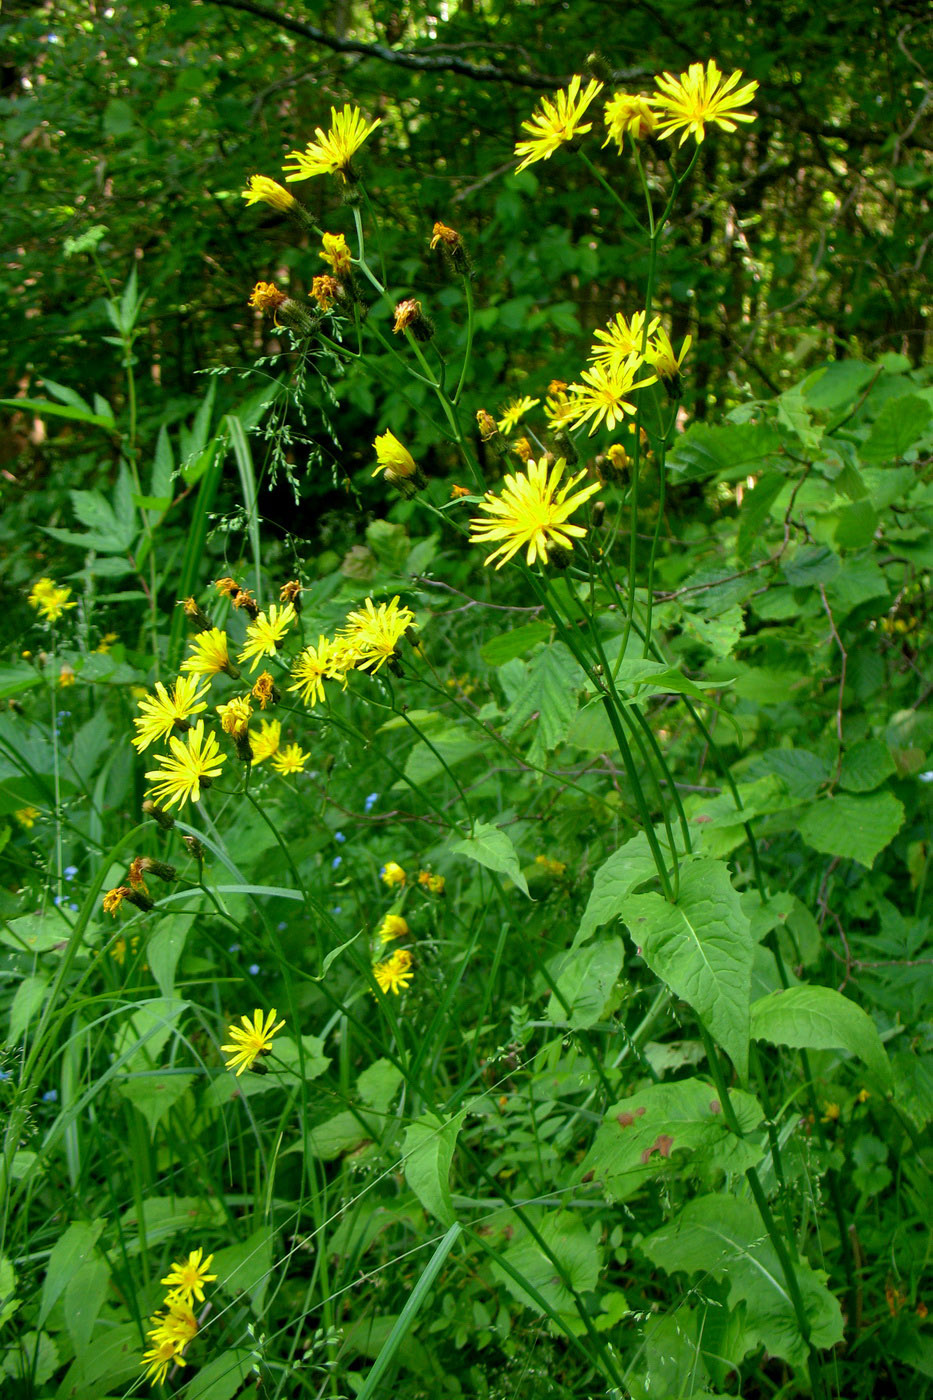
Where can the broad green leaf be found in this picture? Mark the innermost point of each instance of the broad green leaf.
(223, 1376)
(860, 581)
(342, 1133)
(33, 1359)
(701, 946)
(671, 1130)
(447, 748)
(28, 999)
(820, 1018)
(246, 1267)
(164, 949)
(640, 679)
(165, 1216)
(68, 1255)
(84, 1298)
(866, 765)
(855, 828)
(549, 693)
(723, 1236)
(156, 1094)
(571, 1243)
(913, 1086)
(898, 427)
(840, 382)
(111, 1360)
(793, 414)
(627, 868)
(718, 634)
(856, 525)
(8, 1302)
(492, 847)
(803, 772)
(378, 1084)
(428, 1149)
(498, 650)
(728, 450)
(45, 409)
(585, 980)
(65, 395)
(810, 566)
(756, 505)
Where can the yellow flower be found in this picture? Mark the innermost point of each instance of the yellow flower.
(264, 635)
(394, 459)
(160, 1356)
(554, 123)
(234, 716)
(179, 779)
(162, 712)
(264, 691)
(514, 412)
(332, 152)
(661, 356)
(863, 1095)
(251, 1041)
(209, 654)
(392, 926)
(50, 599)
(169, 1337)
(266, 742)
(261, 190)
(291, 759)
(266, 296)
(433, 883)
(553, 867)
(66, 676)
(555, 406)
(327, 661)
(532, 512)
(392, 874)
(106, 642)
(393, 974)
(457, 493)
(621, 339)
(325, 290)
(625, 113)
(831, 1114)
(602, 395)
(186, 1280)
(375, 633)
(26, 816)
(697, 97)
(523, 448)
(336, 254)
(118, 950)
(113, 899)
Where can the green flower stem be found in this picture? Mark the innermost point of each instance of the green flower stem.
(613, 195)
(416, 729)
(649, 586)
(468, 349)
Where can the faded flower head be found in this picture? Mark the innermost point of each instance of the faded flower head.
(325, 290)
(266, 296)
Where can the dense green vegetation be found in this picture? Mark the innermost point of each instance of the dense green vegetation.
(465, 917)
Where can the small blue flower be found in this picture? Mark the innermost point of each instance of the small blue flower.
(337, 909)
(50, 1096)
(337, 860)
(59, 899)
(371, 801)
(253, 969)
(6, 1074)
(339, 836)
(282, 926)
(73, 908)
(70, 872)
(234, 948)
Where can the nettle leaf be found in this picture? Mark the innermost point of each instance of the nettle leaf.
(793, 414)
(572, 1244)
(549, 692)
(898, 427)
(639, 679)
(723, 1236)
(728, 450)
(667, 1130)
(585, 981)
(428, 1148)
(820, 1018)
(810, 566)
(866, 765)
(627, 868)
(857, 828)
(492, 847)
(702, 947)
(507, 645)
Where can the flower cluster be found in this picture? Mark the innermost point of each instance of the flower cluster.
(50, 599)
(175, 1327)
(368, 639)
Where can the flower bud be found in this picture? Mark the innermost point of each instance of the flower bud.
(165, 819)
(194, 848)
(195, 615)
(410, 317)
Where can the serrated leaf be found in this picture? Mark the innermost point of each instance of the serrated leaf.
(571, 1243)
(866, 766)
(428, 1148)
(723, 1236)
(642, 679)
(855, 828)
(246, 1267)
(671, 1130)
(810, 566)
(837, 383)
(156, 1094)
(701, 947)
(585, 981)
(860, 581)
(727, 450)
(502, 648)
(756, 504)
(68, 1255)
(29, 997)
(627, 868)
(492, 847)
(820, 1018)
(899, 426)
(549, 692)
(794, 415)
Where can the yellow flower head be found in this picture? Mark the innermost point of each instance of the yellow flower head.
(661, 356)
(603, 394)
(180, 778)
(209, 654)
(336, 253)
(688, 102)
(334, 149)
(266, 296)
(553, 867)
(628, 114)
(160, 1356)
(261, 190)
(375, 633)
(449, 237)
(554, 123)
(392, 874)
(113, 899)
(621, 338)
(394, 973)
(50, 599)
(26, 816)
(264, 635)
(66, 676)
(235, 715)
(555, 405)
(433, 883)
(514, 412)
(291, 759)
(325, 290)
(266, 742)
(457, 493)
(162, 712)
(532, 513)
(524, 449)
(186, 1280)
(251, 1041)
(327, 661)
(392, 926)
(393, 457)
